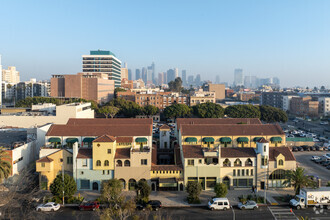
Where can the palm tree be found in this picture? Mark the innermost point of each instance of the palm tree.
(298, 179)
(4, 166)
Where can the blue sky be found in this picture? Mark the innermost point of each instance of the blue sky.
(287, 39)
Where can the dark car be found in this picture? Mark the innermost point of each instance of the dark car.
(318, 148)
(294, 149)
(319, 160)
(300, 149)
(312, 148)
(325, 163)
(154, 204)
(89, 206)
(328, 167)
(306, 148)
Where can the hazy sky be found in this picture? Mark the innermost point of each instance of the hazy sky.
(289, 39)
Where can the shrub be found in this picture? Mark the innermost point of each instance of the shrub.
(220, 189)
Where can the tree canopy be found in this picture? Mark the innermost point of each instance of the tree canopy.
(177, 111)
(272, 114)
(150, 110)
(193, 189)
(242, 111)
(298, 179)
(126, 108)
(208, 110)
(220, 190)
(70, 187)
(109, 110)
(143, 191)
(176, 85)
(5, 166)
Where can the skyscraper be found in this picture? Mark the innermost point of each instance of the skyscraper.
(102, 61)
(153, 73)
(150, 75)
(238, 77)
(176, 71)
(137, 74)
(170, 75)
(144, 75)
(130, 77)
(11, 75)
(217, 79)
(198, 80)
(190, 80)
(184, 77)
(160, 78)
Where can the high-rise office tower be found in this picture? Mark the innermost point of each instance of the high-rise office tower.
(11, 75)
(217, 79)
(153, 73)
(276, 81)
(137, 74)
(150, 75)
(176, 71)
(198, 80)
(0, 83)
(130, 77)
(164, 77)
(184, 77)
(102, 61)
(190, 80)
(160, 78)
(247, 82)
(145, 75)
(170, 75)
(238, 77)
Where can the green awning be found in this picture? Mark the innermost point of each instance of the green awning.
(54, 140)
(275, 139)
(190, 139)
(71, 140)
(168, 185)
(242, 139)
(88, 140)
(208, 139)
(141, 140)
(225, 140)
(256, 139)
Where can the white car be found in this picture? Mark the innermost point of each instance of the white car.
(324, 123)
(48, 207)
(219, 204)
(315, 158)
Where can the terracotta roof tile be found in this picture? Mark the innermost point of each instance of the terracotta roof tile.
(85, 153)
(263, 140)
(192, 151)
(45, 160)
(229, 152)
(181, 121)
(123, 153)
(124, 139)
(105, 138)
(99, 130)
(107, 121)
(163, 127)
(166, 168)
(275, 151)
(230, 130)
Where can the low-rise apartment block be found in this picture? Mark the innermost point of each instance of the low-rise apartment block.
(304, 106)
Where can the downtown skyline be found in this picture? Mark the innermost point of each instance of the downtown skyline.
(288, 40)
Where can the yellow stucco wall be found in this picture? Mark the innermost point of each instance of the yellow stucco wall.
(100, 153)
(166, 174)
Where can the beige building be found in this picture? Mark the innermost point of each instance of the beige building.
(303, 106)
(219, 90)
(89, 86)
(200, 97)
(124, 73)
(11, 75)
(324, 106)
(61, 115)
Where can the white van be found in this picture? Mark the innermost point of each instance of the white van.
(219, 204)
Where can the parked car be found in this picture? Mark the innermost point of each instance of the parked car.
(312, 148)
(48, 207)
(328, 167)
(306, 148)
(155, 205)
(294, 149)
(318, 148)
(89, 206)
(324, 123)
(315, 158)
(219, 204)
(248, 205)
(300, 149)
(325, 163)
(319, 160)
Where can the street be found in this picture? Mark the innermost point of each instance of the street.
(196, 213)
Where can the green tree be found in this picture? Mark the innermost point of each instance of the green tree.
(271, 114)
(193, 189)
(220, 190)
(109, 111)
(127, 108)
(143, 191)
(176, 85)
(242, 111)
(118, 89)
(328, 184)
(208, 110)
(70, 187)
(177, 111)
(150, 110)
(5, 166)
(298, 179)
(111, 191)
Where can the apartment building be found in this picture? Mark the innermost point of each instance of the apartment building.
(11, 75)
(218, 89)
(304, 106)
(101, 61)
(324, 106)
(89, 86)
(200, 97)
(274, 99)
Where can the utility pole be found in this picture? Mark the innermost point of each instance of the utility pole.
(63, 178)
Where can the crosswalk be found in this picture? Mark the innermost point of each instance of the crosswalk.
(280, 213)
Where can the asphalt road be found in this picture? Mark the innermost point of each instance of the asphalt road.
(197, 213)
(304, 160)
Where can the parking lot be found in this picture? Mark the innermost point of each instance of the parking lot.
(304, 160)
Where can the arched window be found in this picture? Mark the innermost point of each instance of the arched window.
(280, 162)
(277, 175)
(119, 163)
(98, 163)
(248, 162)
(106, 163)
(238, 163)
(226, 163)
(127, 163)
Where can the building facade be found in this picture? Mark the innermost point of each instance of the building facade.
(101, 61)
(11, 75)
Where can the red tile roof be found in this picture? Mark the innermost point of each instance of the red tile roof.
(229, 152)
(99, 130)
(85, 153)
(275, 151)
(107, 121)
(192, 151)
(231, 130)
(123, 153)
(105, 138)
(181, 121)
(165, 127)
(45, 160)
(263, 140)
(124, 139)
(154, 155)
(166, 168)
